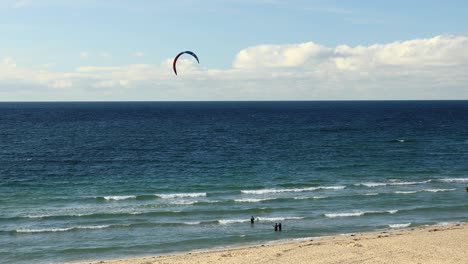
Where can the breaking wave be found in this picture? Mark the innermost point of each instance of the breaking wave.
(399, 225)
(391, 183)
(358, 213)
(261, 219)
(308, 189)
(180, 195)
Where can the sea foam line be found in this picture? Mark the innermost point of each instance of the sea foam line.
(438, 190)
(358, 213)
(308, 189)
(264, 219)
(392, 183)
(313, 197)
(247, 200)
(405, 192)
(454, 180)
(118, 197)
(180, 195)
(399, 225)
(48, 230)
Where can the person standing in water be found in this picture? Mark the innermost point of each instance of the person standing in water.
(252, 220)
(276, 227)
(279, 227)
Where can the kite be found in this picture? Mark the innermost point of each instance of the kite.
(177, 57)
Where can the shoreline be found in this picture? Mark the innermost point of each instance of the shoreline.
(424, 244)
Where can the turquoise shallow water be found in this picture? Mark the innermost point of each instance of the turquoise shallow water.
(82, 181)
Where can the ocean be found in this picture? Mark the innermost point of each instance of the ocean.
(91, 181)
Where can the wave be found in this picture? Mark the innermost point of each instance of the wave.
(307, 189)
(405, 192)
(425, 190)
(118, 197)
(399, 225)
(232, 221)
(454, 180)
(76, 228)
(49, 230)
(127, 215)
(263, 219)
(247, 200)
(359, 213)
(391, 183)
(438, 190)
(371, 194)
(313, 197)
(180, 195)
(191, 223)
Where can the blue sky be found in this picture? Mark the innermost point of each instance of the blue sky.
(61, 36)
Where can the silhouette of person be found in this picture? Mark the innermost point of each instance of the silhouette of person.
(252, 220)
(279, 227)
(276, 226)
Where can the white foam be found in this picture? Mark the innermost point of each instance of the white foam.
(191, 223)
(313, 197)
(37, 216)
(45, 230)
(399, 225)
(439, 190)
(247, 200)
(272, 219)
(180, 195)
(447, 223)
(232, 221)
(334, 215)
(359, 213)
(391, 183)
(370, 184)
(183, 202)
(405, 192)
(319, 197)
(308, 189)
(371, 194)
(119, 197)
(264, 219)
(455, 180)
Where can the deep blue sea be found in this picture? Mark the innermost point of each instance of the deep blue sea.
(92, 181)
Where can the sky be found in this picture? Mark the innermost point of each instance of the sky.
(122, 50)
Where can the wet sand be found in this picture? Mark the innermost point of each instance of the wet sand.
(430, 244)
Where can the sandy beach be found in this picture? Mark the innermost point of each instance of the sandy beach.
(430, 244)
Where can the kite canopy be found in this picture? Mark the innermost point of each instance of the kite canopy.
(177, 57)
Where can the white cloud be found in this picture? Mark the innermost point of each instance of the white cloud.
(280, 55)
(61, 84)
(84, 55)
(433, 68)
(9, 62)
(105, 55)
(21, 3)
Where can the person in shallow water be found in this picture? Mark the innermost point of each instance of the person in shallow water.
(252, 220)
(279, 227)
(276, 226)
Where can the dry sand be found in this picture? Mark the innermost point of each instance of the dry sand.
(433, 244)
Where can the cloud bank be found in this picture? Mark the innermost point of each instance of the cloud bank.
(432, 68)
